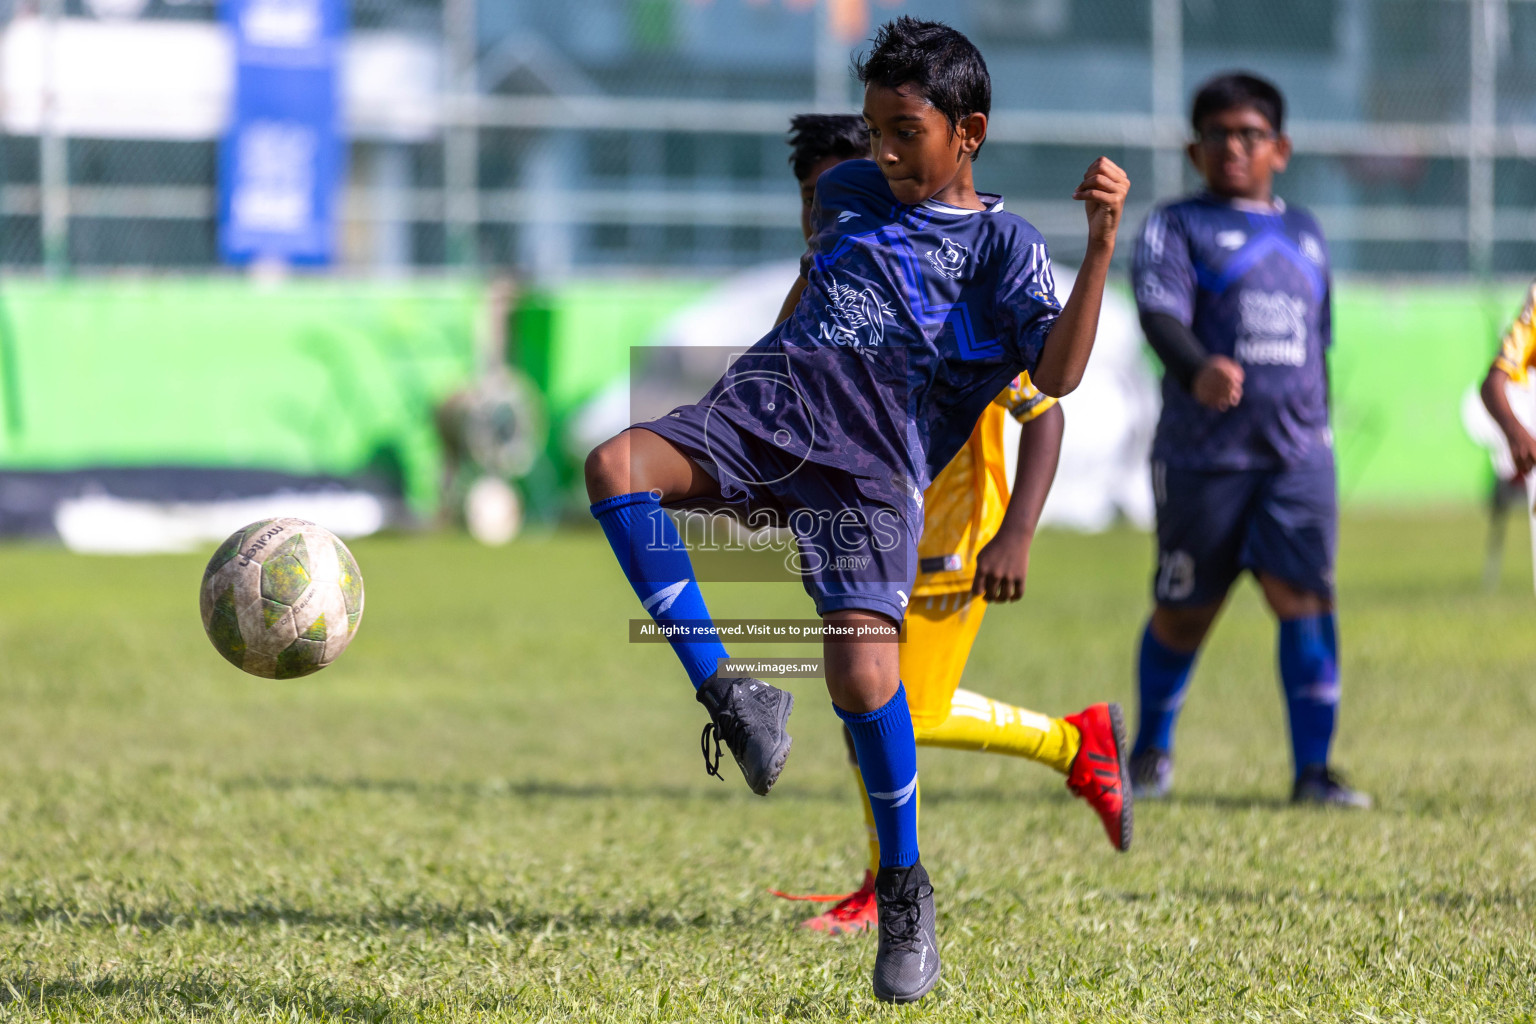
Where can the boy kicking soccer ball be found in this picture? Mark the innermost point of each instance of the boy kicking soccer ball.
(923, 300)
(1233, 290)
(974, 549)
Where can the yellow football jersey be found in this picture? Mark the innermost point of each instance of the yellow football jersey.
(1518, 350)
(964, 505)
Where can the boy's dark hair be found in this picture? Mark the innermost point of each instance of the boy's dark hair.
(814, 137)
(1238, 89)
(940, 61)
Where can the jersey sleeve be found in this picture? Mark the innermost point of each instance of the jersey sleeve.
(1518, 349)
(1325, 315)
(1314, 246)
(1022, 400)
(1027, 306)
(1162, 271)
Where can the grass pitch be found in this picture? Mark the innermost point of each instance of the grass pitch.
(493, 807)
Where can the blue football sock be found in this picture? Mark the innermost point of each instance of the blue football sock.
(652, 555)
(1162, 675)
(1309, 671)
(888, 761)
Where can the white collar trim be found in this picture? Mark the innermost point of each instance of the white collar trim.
(1275, 206)
(992, 201)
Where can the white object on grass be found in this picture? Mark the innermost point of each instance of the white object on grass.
(493, 513)
(104, 525)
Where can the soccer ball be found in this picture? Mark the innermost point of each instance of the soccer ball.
(281, 598)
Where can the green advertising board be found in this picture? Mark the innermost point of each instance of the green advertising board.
(337, 378)
(573, 342)
(306, 377)
(1403, 358)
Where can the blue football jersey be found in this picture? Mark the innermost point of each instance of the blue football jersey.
(914, 318)
(1253, 284)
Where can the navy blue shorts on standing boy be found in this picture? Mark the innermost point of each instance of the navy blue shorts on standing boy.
(1213, 525)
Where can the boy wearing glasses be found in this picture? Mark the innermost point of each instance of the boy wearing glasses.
(1233, 290)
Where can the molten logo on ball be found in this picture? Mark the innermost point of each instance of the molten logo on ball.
(282, 598)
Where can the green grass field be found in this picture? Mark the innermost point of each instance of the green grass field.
(493, 807)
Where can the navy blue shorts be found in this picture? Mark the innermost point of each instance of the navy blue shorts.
(855, 549)
(1211, 525)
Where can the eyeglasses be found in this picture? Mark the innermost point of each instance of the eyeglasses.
(1248, 138)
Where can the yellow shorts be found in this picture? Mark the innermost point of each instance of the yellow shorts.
(941, 629)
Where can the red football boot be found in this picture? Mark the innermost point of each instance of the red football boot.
(853, 913)
(1099, 771)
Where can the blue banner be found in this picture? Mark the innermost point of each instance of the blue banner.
(281, 161)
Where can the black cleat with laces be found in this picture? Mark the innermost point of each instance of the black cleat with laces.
(750, 716)
(907, 963)
(1320, 784)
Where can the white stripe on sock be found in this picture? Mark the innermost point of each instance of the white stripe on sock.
(901, 795)
(663, 598)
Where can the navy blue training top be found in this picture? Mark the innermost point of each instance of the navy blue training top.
(1252, 283)
(914, 318)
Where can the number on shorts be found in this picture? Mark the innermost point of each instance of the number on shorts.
(1175, 575)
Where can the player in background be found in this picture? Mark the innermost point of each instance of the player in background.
(924, 299)
(1517, 353)
(1233, 290)
(974, 549)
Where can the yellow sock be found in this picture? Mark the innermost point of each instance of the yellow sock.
(981, 723)
(869, 821)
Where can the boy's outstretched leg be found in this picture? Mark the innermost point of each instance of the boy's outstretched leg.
(629, 477)
(1089, 747)
(867, 695)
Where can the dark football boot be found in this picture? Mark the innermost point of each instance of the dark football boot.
(750, 716)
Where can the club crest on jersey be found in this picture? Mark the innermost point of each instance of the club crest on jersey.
(1311, 248)
(949, 258)
(1151, 290)
(858, 317)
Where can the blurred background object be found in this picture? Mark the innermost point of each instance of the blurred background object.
(1104, 475)
(1507, 490)
(247, 245)
(492, 433)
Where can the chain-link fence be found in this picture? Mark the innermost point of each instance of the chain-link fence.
(553, 138)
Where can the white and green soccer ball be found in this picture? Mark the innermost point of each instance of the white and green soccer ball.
(282, 598)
